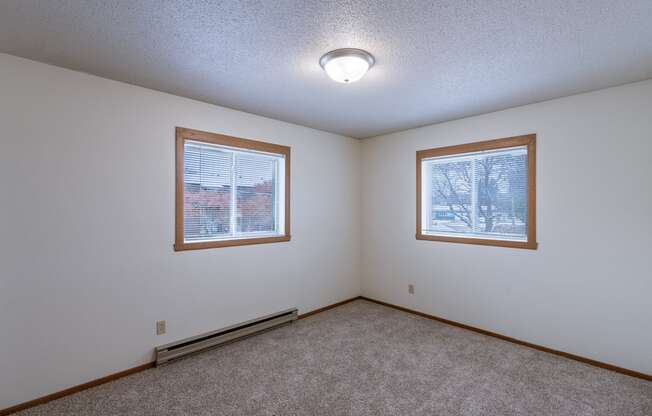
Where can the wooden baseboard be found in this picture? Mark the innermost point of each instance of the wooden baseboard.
(75, 389)
(584, 360)
(325, 308)
(115, 376)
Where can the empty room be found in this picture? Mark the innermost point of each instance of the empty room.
(326, 207)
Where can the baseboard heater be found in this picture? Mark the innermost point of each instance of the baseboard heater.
(178, 349)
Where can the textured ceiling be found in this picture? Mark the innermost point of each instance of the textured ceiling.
(436, 60)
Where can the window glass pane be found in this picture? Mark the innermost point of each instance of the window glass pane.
(452, 210)
(480, 194)
(502, 195)
(256, 193)
(207, 192)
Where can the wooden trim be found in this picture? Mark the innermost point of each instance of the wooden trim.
(478, 146)
(115, 376)
(325, 308)
(232, 141)
(75, 389)
(237, 142)
(178, 191)
(479, 241)
(532, 192)
(526, 140)
(230, 243)
(570, 356)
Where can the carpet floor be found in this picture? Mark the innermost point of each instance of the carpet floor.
(365, 359)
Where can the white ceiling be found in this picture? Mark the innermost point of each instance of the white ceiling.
(436, 60)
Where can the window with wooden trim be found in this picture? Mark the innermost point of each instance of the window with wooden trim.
(479, 193)
(230, 191)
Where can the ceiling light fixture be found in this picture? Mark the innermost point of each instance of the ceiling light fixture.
(346, 65)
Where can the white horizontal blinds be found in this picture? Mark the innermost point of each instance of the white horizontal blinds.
(256, 204)
(207, 192)
(481, 194)
(212, 211)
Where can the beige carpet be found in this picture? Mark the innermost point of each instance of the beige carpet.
(365, 359)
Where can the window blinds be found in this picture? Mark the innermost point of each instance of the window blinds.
(482, 194)
(255, 193)
(230, 193)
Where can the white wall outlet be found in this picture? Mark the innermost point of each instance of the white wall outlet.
(411, 289)
(160, 327)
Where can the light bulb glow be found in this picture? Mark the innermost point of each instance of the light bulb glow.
(346, 69)
(346, 65)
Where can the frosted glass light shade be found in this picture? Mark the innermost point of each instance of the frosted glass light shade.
(346, 65)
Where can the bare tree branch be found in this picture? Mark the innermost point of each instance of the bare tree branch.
(452, 198)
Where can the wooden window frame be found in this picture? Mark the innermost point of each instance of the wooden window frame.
(183, 134)
(526, 140)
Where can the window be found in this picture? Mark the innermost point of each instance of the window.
(478, 193)
(230, 191)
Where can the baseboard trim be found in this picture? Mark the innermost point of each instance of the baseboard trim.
(325, 308)
(75, 389)
(570, 356)
(115, 376)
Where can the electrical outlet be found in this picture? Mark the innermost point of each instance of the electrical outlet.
(411, 289)
(160, 327)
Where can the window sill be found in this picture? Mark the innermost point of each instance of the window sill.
(181, 246)
(479, 241)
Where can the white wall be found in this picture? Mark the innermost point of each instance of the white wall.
(588, 288)
(87, 225)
